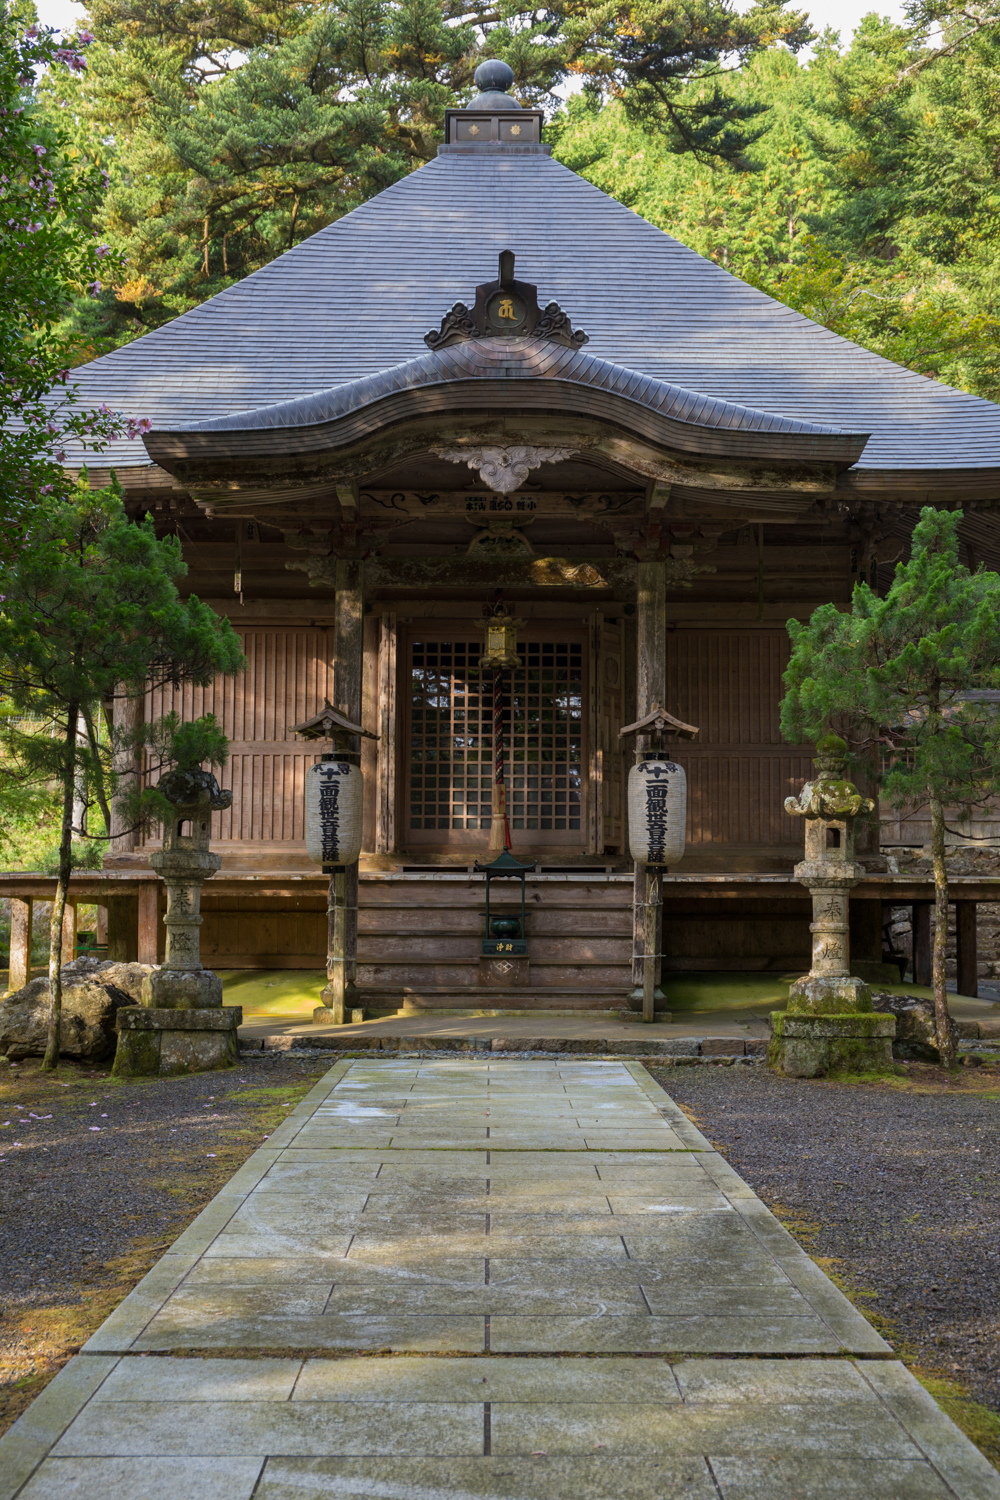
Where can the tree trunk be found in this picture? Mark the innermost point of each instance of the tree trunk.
(54, 1039)
(946, 1046)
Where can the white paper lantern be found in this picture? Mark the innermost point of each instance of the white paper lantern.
(334, 802)
(657, 811)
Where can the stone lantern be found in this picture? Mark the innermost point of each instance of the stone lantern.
(181, 1025)
(830, 1021)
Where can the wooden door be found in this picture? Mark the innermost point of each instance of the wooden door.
(448, 729)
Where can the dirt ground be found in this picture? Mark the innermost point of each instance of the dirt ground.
(98, 1177)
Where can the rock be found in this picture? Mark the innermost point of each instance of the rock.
(93, 992)
(916, 1028)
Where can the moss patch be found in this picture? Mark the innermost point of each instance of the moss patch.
(277, 992)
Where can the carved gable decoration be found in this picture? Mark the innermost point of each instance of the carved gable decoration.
(505, 308)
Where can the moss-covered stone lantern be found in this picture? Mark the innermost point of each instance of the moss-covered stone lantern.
(830, 1021)
(182, 1025)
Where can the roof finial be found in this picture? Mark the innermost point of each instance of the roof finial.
(494, 77)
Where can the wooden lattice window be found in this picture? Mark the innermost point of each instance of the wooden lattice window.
(451, 736)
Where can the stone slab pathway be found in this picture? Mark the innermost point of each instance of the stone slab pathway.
(487, 1279)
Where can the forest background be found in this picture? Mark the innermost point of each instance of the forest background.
(860, 185)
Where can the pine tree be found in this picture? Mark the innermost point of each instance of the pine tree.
(89, 612)
(914, 677)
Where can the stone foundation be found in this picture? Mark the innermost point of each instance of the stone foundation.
(809, 1046)
(176, 1041)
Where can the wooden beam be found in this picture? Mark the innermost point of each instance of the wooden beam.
(965, 935)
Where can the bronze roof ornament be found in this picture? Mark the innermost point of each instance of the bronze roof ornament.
(505, 308)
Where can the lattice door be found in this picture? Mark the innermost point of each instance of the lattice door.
(450, 774)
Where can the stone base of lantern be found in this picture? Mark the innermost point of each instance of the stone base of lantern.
(155, 1041)
(829, 994)
(181, 989)
(807, 1046)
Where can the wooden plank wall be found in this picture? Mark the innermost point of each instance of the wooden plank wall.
(740, 771)
(290, 672)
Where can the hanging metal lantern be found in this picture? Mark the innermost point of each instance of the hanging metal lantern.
(501, 644)
(657, 810)
(334, 805)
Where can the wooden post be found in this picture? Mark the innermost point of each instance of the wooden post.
(920, 925)
(149, 922)
(340, 994)
(651, 948)
(385, 807)
(69, 932)
(123, 911)
(965, 944)
(123, 929)
(651, 674)
(21, 913)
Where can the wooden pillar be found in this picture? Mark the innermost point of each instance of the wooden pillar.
(21, 914)
(148, 905)
(340, 994)
(123, 911)
(921, 929)
(965, 943)
(865, 921)
(69, 933)
(651, 680)
(101, 931)
(385, 806)
(123, 929)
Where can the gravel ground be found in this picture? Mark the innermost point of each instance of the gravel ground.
(97, 1177)
(899, 1184)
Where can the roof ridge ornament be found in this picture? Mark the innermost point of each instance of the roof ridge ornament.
(505, 308)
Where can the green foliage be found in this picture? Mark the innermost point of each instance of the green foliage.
(873, 202)
(232, 132)
(48, 255)
(89, 613)
(906, 672)
(917, 675)
(166, 745)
